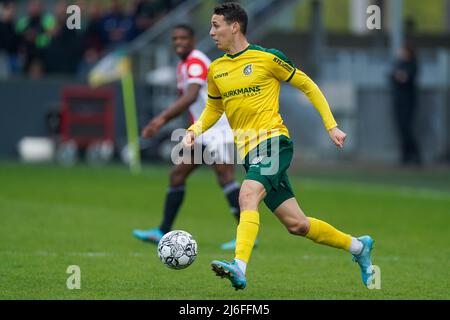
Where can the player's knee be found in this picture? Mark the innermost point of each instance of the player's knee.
(248, 199)
(299, 227)
(225, 177)
(177, 178)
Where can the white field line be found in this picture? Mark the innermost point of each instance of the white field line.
(71, 254)
(306, 183)
(393, 258)
(365, 188)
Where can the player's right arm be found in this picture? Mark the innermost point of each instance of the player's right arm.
(211, 114)
(178, 107)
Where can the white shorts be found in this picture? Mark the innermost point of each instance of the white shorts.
(217, 146)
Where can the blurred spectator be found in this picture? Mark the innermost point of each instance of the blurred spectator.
(144, 14)
(93, 45)
(63, 53)
(172, 4)
(92, 35)
(34, 31)
(404, 91)
(40, 43)
(35, 69)
(116, 26)
(9, 41)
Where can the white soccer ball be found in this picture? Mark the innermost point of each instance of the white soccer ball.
(177, 249)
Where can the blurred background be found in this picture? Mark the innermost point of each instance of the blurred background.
(67, 196)
(388, 87)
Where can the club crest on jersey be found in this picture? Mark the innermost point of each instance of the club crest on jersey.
(195, 70)
(248, 70)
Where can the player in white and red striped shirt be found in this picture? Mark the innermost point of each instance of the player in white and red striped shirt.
(192, 73)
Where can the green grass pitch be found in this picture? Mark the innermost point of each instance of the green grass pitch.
(52, 217)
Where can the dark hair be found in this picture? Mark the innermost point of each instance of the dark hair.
(186, 27)
(233, 12)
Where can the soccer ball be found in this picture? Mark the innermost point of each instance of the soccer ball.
(177, 249)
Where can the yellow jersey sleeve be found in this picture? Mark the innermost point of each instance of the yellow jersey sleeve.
(213, 110)
(301, 81)
(284, 70)
(280, 65)
(213, 91)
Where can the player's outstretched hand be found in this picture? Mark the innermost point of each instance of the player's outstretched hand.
(337, 136)
(152, 127)
(188, 140)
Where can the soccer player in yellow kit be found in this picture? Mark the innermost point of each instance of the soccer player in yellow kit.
(245, 84)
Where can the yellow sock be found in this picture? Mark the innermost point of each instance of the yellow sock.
(324, 233)
(247, 231)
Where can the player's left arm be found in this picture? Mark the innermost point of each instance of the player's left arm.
(301, 81)
(284, 70)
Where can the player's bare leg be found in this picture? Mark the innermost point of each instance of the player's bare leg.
(175, 194)
(292, 217)
(230, 187)
(251, 194)
(296, 222)
(226, 179)
(174, 199)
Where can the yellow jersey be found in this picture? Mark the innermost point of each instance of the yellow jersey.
(246, 86)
